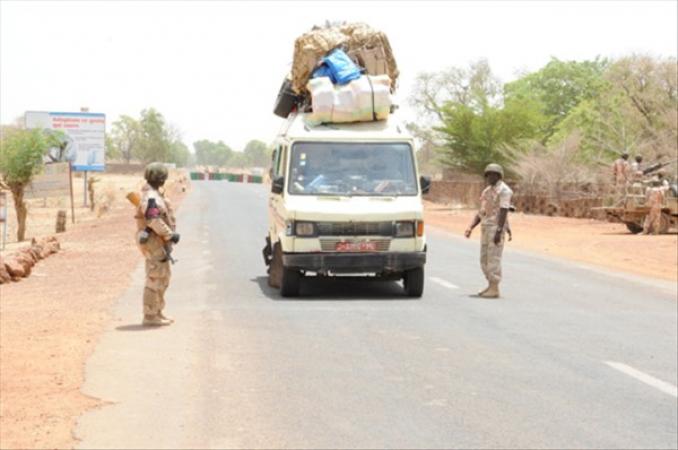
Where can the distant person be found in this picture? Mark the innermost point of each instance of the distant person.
(621, 169)
(156, 232)
(662, 179)
(637, 168)
(495, 202)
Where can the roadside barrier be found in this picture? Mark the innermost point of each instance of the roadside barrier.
(232, 177)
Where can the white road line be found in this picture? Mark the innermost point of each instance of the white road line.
(443, 283)
(663, 386)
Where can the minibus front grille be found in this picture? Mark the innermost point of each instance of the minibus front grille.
(355, 228)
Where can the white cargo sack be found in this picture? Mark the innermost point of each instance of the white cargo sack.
(363, 100)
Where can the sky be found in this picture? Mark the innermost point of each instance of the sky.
(213, 69)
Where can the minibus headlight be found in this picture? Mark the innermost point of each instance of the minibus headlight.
(304, 229)
(403, 229)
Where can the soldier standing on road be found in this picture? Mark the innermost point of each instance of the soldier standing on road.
(495, 202)
(155, 233)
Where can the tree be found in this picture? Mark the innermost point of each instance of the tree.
(466, 120)
(471, 86)
(543, 169)
(125, 136)
(429, 147)
(257, 154)
(179, 153)
(21, 155)
(210, 153)
(475, 138)
(559, 87)
(111, 149)
(238, 160)
(635, 111)
(154, 143)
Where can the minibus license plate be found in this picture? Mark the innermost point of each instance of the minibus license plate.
(356, 246)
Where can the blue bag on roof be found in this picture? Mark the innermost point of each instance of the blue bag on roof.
(339, 67)
(322, 71)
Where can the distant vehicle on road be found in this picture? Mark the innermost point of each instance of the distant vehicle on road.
(345, 200)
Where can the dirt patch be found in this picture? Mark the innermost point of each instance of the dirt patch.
(50, 323)
(607, 245)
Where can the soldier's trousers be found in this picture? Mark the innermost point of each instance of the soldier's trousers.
(490, 253)
(653, 221)
(157, 280)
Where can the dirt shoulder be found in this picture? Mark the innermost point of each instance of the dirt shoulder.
(607, 245)
(50, 324)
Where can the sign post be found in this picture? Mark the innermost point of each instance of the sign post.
(84, 190)
(70, 188)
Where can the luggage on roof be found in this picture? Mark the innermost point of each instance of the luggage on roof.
(368, 47)
(365, 99)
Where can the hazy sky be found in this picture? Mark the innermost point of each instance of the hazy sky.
(214, 68)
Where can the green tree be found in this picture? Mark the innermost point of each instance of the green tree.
(21, 156)
(210, 153)
(465, 119)
(474, 86)
(557, 88)
(238, 160)
(179, 154)
(112, 151)
(257, 154)
(125, 137)
(154, 143)
(635, 111)
(476, 137)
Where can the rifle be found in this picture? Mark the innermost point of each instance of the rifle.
(134, 199)
(656, 166)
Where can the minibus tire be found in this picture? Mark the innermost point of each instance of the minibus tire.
(275, 268)
(414, 282)
(291, 279)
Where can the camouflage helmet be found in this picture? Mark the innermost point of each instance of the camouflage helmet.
(496, 168)
(156, 173)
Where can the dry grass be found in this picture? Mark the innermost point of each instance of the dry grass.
(550, 171)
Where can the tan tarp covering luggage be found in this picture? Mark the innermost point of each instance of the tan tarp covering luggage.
(368, 46)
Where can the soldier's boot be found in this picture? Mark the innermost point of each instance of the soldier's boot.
(163, 317)
(492, 291)
(154, 321)
(482, 291)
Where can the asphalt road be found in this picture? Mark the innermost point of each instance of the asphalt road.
(570, 357)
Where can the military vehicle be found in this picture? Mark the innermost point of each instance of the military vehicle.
(631, 209)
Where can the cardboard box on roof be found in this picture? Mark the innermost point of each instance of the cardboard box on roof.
(373, 60)
(362, 36)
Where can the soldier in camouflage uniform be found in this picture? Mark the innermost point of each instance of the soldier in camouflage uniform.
(655, 198)
(495, 202)
(156, 232)
(621, 169)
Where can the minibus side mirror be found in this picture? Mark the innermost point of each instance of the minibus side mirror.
(425, 183)
(278, 184)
